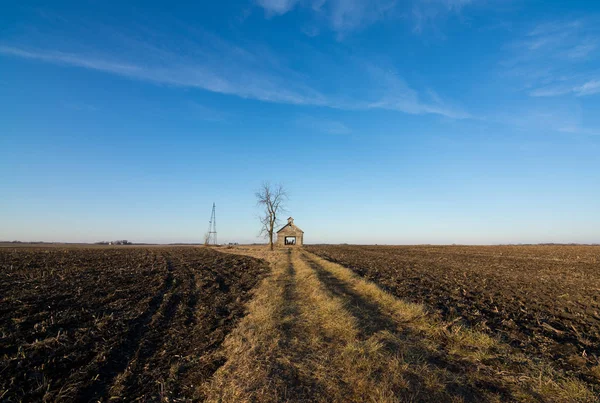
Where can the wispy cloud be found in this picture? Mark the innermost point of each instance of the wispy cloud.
(321, 125)
(550, 91)
(555, 27)
(589, 88)
(345, 16)
(397, 95)
(246, 81)
(557, 58)
(342, 16)
(426, 13)
(348, 15)
(72, 60)
(582, 50)
(565, 118)
(277, 7)
(580, 130)
(201, 60)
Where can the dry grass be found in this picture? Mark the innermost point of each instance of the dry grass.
(315, 331)
(481, 359)
(253, 350)
(348, 364)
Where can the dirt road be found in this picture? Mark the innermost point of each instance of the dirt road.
(315, 331)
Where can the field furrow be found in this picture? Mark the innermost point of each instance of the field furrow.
(119, 324)
(194, 324)
(318, 332)
(543, 300)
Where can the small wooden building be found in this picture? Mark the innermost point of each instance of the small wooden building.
(290, 235)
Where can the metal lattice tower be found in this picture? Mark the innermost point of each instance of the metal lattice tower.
(212, 228)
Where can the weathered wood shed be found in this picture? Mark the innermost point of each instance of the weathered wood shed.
(290, 235)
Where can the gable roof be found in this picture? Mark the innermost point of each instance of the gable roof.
(291, 226)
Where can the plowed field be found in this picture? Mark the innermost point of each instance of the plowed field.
(542, 300)
(181, 324)
(147, 323)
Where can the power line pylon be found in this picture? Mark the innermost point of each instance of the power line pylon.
(211, 238)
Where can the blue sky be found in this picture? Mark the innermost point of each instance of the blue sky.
(416, 121)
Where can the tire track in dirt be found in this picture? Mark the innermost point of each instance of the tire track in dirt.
(315, 331)
(120, 356)
(371, 319)
(466, 364)
(155, 338)
(354, 349)
(290, 309)
(542, 300)
(267, 354)
(332, 345)
(302, 384)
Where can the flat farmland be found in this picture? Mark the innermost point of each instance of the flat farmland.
(106, 323)
(187, 324)
(542, 300)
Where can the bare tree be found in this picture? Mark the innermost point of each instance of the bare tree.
(272, 199)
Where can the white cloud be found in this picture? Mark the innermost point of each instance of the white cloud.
(311, 31)
(579, 130)
(589, 88)
(73, 60)
(243, 79)
(277, 7)
(397, 95)
(348, 15)
(581, 51)
(557, 58)
(553, 27)
(345, 16)
(568, 117)
(204, 61)
(549, 91)
(425, 13)
(321, 125)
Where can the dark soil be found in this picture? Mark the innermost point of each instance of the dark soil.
(116, 323)
(543, 300)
